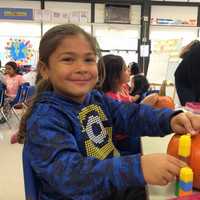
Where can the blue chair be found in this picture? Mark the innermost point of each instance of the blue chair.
(20, 97)
(2, 98)
(30, 93)
(31, 183)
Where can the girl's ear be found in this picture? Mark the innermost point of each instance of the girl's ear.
(43, 70)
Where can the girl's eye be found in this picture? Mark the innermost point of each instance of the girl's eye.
(90, 60)
(68, 59)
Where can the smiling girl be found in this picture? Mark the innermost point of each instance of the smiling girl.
(67, 132)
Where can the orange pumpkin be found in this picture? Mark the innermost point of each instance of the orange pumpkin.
(164, 102)
(194, 158)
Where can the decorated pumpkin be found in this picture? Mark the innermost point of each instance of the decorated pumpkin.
(194, 158)
(163, 100)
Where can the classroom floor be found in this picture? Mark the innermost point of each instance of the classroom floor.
(11, 173)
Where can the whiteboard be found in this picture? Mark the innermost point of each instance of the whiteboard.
(157, 67)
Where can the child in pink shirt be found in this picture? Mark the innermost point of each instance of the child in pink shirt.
(12, 79)
(12, 82)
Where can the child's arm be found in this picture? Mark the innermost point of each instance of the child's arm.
(139, 119)
(150, 99)
(135, 97)
(142, 120)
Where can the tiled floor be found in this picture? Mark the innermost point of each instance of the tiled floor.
(11, 174)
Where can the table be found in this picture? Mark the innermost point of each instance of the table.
(158, 145)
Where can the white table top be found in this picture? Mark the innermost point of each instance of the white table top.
(158, 145)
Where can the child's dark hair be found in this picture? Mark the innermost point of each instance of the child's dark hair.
(134, 68)
(48, 44)
(114, 65)
(13, 65)
(141, 85)
(189, 48)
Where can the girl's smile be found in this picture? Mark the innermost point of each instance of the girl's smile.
(72, 68)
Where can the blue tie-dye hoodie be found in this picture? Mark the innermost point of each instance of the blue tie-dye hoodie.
(70, 146)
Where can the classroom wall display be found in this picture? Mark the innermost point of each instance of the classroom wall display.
(170, 46)
(47, 15)
(16, 13)
(174, 15)
(174, 22)
(22, 50)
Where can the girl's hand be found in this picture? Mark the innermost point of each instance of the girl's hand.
(135, 98)
(186, 123)
(150, 99)
(160, 169)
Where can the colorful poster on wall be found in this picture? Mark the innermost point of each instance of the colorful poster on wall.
(20, 50)
(164, 60)
(24, 50)
(169, 46)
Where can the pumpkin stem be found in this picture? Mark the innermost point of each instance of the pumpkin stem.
(162, 91)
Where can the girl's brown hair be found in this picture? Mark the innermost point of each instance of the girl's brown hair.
(13, 65)
(48, 44)
(112, 66)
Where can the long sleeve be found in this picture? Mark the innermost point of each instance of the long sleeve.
(139, 119)
(57, 161)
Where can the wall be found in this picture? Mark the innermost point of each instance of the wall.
(117, 38)
(79, 13)
(108, 35)
(167, 40)
(19, 30)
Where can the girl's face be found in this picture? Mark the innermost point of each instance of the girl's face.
(9, 70)
(72, 68)
(125, 75)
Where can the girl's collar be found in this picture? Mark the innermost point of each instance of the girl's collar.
(66, 98)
